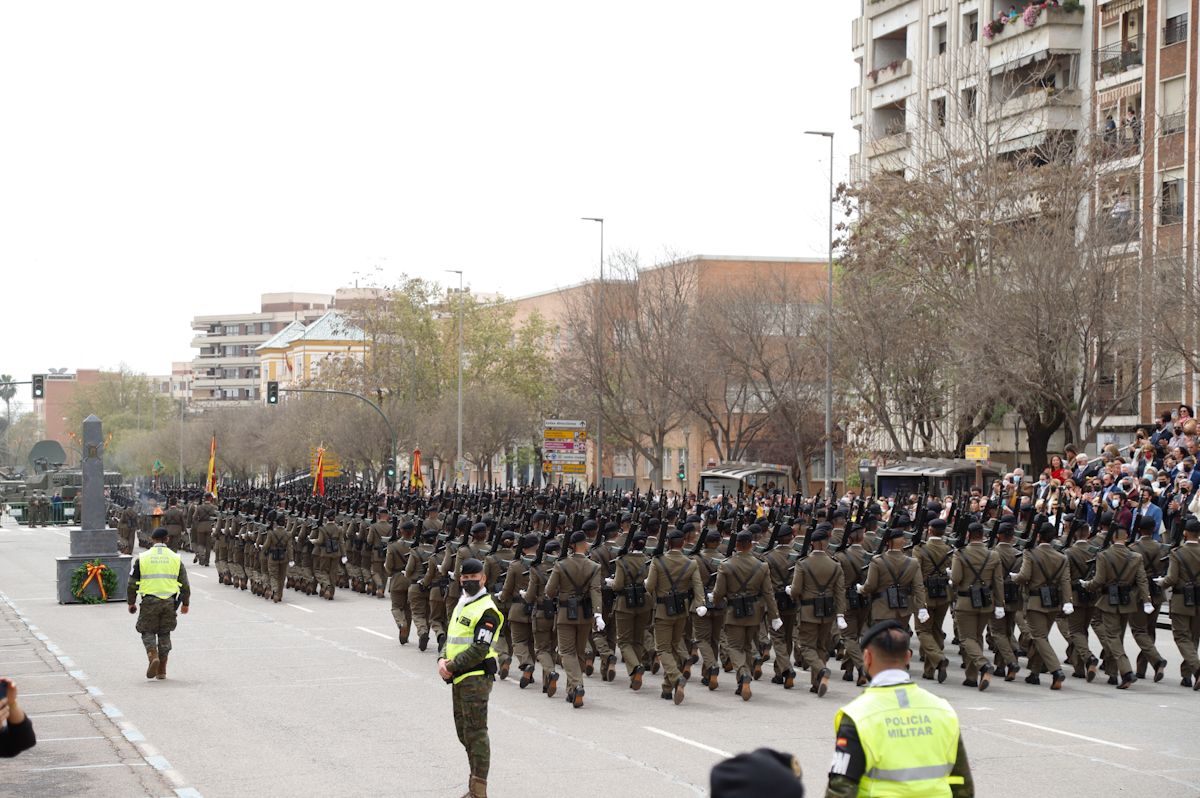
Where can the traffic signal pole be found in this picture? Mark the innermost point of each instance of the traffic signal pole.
(375, 407)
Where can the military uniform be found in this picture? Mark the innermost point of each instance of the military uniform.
(783, 640)
(544, 622)
(416, 571)
(520, 615)
(202, 527)
(376, 552)
(1145, 627)
(978, 580)
(710, 629)
(329, 544)
(819, 588)
(394, 562)
(934, 557)
(1183, 578)
(1120, 583)
(675, 586)
(1045, 575)
(895, 587)
(1080, 555)
(277, 548)
(126, 528)
(853, 560)
(1004, 630)
(632, 612)
(742, 581)
(173, 521)
(603, 642)
(575, 585)
(159, 577)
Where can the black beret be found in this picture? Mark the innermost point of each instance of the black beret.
(938, 523)
(429, 534)
(692, 519)
(892, 533)
(590, 525)
(744, 537)
(478, 529)
(578, 537)
(818, 534)
(762, 772)
(1192, 525)
(539, 517)
(408, 525)
(901, 519)
(976, 528)
(552, 546)
(529, 541)
(880, 627)
(464, 522)
(1146, 522)
(1106, 518)
(710, 514)
(675, 534)
(159, 533)
(384, 511)
(838, 514)
(712, 536)
(508, 534)
(639, 540)
(689, 528)
(1005, 529)
(824, 527)
(611, 527)
(471, 566)
(754, 529)
(626, 518)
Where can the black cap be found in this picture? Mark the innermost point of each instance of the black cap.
(1192, 525)
(744, 537)
(761, 772)
(464, 522)
(639, 540)
(754, 529)
(818, 534)
(688, 528)
(471, 566)
(938, 523)
(429, 535)
(1146, 522)
(626, 518)
(590, 525)
(408, 525)
(1005, 529)
(552, 546)
(160, 533)
(892, 534)
(838, 514)
(612, 528)
(539, 517)
(508, 535)
(478, 529)
(713, 537)
(529, 541)
(675, 534)
(1106, 518)
(578, 537)
(901, 519)
(879, 628)
(824, 526)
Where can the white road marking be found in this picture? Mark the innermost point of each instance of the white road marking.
(1072, 734)
(197, 573)
(373, 632)
(686, 741)
(90, 767)
(297, 606)
(40, 695)
(68, 739)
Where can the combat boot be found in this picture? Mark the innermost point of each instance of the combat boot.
(476, 788)
(505, 663)
(155, 663)
(162, 667)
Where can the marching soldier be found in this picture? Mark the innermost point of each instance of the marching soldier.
(575, 585)
(1119, 573)
(173, 521)
(1045, 576)
(495, 572)
(979, 586)
(854, 559)
(1004, 630)
(126, 526)
(377, 544)
(1080, 557)
(394, 562)
(819, 588)
(329, 544)
(545, 613)
(603, 642)
(710, 628)
(632, 611)
(783, 640)
(934, 557)
(894, 584)
(674, 583)
(1145, 628)
(203, 515)
(1181, 578)
(278, 549)
(416, 571)
(743, 583)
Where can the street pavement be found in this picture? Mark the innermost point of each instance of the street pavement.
(318, 697)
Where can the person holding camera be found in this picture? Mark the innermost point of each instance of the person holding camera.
(16, 729)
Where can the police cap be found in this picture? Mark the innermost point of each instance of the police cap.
(471, 566)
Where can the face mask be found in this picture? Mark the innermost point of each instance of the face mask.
(470, 587)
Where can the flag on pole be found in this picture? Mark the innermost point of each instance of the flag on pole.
(415, 480)
(319, 473)
(210, 484)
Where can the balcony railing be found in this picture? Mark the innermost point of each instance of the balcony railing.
(1120, 224)
(1175, 30)
(1122, 56)
(1172, 123)
(1170, 212)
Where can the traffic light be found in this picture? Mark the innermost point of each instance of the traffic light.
(272, 393)
(682, 472)
(39, 386)
(391, 474)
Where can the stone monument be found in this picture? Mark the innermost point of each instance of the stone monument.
(93, 540)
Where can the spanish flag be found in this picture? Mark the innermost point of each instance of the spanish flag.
(415, 480)
(211, 483)
(319, 473)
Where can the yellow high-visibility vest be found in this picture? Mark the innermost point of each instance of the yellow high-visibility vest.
(910, 738)
(461, 633)
(159, 568)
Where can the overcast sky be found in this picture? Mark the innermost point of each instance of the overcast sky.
(163, 160)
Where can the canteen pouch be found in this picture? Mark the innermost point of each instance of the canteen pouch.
(937, 587)
(823, 606)
(675, 603)
(897, 598)
(277, 554)
(1049, 596)
(1189, 594)
(854, 599)
(1118, 595)
(1012, 593)
(742, 606)
(548, 609)
(980, 597)
(784, 602)
(572, 607)
(635, 595)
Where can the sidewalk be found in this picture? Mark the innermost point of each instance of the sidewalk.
(84, 744)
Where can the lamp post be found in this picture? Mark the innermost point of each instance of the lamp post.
(600, 415)
(458, 461)
(828, 330)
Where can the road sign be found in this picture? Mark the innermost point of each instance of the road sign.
(978, 452)
(564, 446)
(563, 468)
(331, 467)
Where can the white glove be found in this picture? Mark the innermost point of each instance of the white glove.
(841, 622)
(859, 588)
(1013, 574)
(776, 624)
(999, 613)
(599, 622)
(1147, 608)
(788, 590)
(709, 597)
(1068, 608)
(291, 564)
(922, 615)
(345, 560)
(948, 571)
(701, 611)
(1158, 580)
(524, 597)
(608, 581)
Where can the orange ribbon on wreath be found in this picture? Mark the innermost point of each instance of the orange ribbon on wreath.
(94, 572)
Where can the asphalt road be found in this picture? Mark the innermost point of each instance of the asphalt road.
(319, 697)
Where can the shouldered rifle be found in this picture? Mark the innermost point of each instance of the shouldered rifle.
(662, 540)
(541, 552)
(732, 543)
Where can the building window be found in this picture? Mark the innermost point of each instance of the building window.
(937, 41)
(232, 329)
(1171, 208)
(1175, 30)
(1174, 107)
(623, 464)
(970, 27)
(970, 102)
(1168, 377)
(938, 106)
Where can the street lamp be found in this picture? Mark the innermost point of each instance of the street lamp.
(458, 461)
(600, 417)
(828, 331)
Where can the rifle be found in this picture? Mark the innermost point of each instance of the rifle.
(662, 540)
(541, 552)
(732, 543)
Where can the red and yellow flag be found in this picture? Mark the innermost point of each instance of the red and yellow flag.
(210, 484)
(319, 473)
(415, 480)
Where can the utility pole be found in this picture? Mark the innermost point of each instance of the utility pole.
(599, 321)
(458, 457)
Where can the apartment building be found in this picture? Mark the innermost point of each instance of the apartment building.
(297, 354)
(226, 367)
